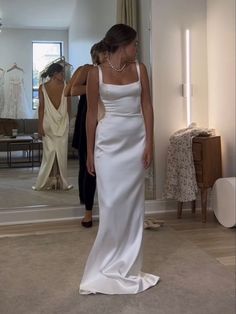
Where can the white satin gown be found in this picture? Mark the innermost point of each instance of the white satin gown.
(55, 143)
(114, 263)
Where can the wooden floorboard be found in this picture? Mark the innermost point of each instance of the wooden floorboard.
(211, 237)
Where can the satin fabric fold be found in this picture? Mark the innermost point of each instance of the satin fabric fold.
(55, 143)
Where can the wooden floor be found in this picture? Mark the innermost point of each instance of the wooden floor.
(211, 237)
(214, 239)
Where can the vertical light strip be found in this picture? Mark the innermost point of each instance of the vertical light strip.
(188, 77)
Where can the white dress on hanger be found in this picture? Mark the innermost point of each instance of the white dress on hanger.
(16, 105)
(114, 263)
(55, 143)
(1, 91)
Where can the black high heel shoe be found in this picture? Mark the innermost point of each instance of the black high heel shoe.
(87, 224)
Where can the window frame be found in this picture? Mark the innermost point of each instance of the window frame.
(35, 90)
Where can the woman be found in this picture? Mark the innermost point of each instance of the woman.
(53, 127)
(119, 149)
(77, 87)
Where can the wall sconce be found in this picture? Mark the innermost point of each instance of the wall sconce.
(187, 88)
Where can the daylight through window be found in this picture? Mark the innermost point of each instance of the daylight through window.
(43, 54)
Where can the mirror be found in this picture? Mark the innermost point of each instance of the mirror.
(16, 181)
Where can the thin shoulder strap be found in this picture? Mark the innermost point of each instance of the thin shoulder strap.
(99, 74)
(44, 91)
(138, 69)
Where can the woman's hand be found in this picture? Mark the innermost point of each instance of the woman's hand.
(147, 157)
(90, 165)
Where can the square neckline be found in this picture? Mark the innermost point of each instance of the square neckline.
(135, 82)
(120, 84)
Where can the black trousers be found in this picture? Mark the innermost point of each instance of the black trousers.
(87, 184)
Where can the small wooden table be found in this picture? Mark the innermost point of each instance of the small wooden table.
(208, 168)
(22, 143)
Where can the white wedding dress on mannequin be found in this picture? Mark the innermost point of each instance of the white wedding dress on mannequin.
(114, 263)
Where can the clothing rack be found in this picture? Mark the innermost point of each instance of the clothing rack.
(62, 61)
(15, 66)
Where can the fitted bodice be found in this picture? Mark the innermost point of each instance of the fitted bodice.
(120, 99)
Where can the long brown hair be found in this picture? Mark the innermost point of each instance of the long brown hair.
(52, 69)
(96, 49)
(119, 35)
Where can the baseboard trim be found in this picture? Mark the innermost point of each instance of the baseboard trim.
(37, 214)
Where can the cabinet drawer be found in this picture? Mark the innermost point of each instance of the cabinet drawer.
(199, 172)
(197, 151)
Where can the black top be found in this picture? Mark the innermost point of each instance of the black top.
(79, 137)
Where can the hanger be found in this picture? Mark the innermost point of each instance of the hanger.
(15, 66)
(63, 60)
(68, 64)
(60, 60)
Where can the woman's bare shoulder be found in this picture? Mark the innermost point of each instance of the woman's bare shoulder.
(88, 67)
(93, 72)
(142, 66)
(143, 70)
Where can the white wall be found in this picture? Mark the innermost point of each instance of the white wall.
(16, 46)
(169, 20)
(221, 69)
(90, 22)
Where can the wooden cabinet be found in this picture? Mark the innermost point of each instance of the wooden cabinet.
(208, 168)
(207, 160)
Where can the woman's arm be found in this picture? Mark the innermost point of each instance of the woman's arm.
(79, 84)
(67, 91)
(41, 112)
(91, 119)
(69, 106)
(148, 116)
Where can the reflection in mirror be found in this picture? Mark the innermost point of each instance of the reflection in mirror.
(20, 160)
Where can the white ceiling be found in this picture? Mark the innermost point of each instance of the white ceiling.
(40, 14)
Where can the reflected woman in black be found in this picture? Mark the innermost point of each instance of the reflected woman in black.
(77, 87)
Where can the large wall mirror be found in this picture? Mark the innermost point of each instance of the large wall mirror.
(32, 22)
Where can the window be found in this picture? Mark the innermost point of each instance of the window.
(43, 54)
